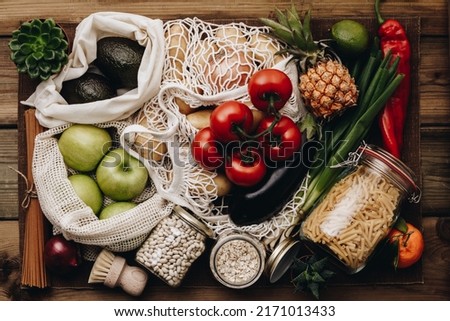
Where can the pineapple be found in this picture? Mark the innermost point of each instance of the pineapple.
(326, 85)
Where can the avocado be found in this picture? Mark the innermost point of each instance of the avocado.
(119, 58)
(87, 88)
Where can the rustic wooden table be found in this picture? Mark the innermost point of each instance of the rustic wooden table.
(434, 129)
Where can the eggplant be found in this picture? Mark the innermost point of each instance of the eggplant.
(256, 204)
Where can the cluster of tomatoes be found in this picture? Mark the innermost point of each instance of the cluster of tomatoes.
(229, 141)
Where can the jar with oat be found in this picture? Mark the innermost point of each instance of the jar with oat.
(237, 260)
(173, 246)
(350, 221)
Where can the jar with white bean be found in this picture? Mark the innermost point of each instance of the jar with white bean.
(173, 245)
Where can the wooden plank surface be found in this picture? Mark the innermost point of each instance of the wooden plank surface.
(433, 11)
(8, 178)
(436, 286)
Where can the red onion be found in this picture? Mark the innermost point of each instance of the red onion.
(61, 256)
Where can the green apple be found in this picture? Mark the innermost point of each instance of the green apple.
(88, 191)
(120, 176)
(115, 208)
(83, 146)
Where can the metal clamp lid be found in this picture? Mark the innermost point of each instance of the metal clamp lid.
(404, 175)
(193, 221)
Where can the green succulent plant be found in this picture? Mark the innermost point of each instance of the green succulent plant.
(39, 48)
(311, 274)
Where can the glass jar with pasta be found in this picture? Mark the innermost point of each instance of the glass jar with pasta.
(359, 210)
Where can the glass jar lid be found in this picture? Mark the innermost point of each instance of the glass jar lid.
(237, 260)
(380, 160)
(193, 221)
(281, 258)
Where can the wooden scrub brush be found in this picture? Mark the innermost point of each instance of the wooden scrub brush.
(113, 271)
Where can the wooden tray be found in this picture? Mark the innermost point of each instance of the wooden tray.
(376, 273)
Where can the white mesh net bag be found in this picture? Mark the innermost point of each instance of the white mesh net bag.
(73, 218)
(206, 64)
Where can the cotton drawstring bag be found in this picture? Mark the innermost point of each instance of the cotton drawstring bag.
(51, 108)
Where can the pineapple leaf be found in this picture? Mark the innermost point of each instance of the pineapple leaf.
(307, 25)
(281, 17)
(299, 39)
(310, 126)
(279, 31)
(311, 46)
(295, 12)
(297, 35)
(294, 23)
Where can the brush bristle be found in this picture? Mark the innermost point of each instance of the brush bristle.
(101, 267)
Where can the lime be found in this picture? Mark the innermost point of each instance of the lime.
(352, 37)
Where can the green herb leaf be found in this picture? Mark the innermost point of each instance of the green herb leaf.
(311, 273)
(314, 288)
(400, 225)
(309, 125)
(394, 248)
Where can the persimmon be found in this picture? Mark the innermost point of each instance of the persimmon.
(410, 243)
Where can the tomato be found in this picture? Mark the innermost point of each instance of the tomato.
(282, 141)
(229, 119)
(269, 89)
(246, 167)
(410, 245)
(207, 150)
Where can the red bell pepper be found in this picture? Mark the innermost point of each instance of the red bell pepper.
(393, 38)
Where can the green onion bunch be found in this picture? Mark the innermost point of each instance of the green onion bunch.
(377, 79)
